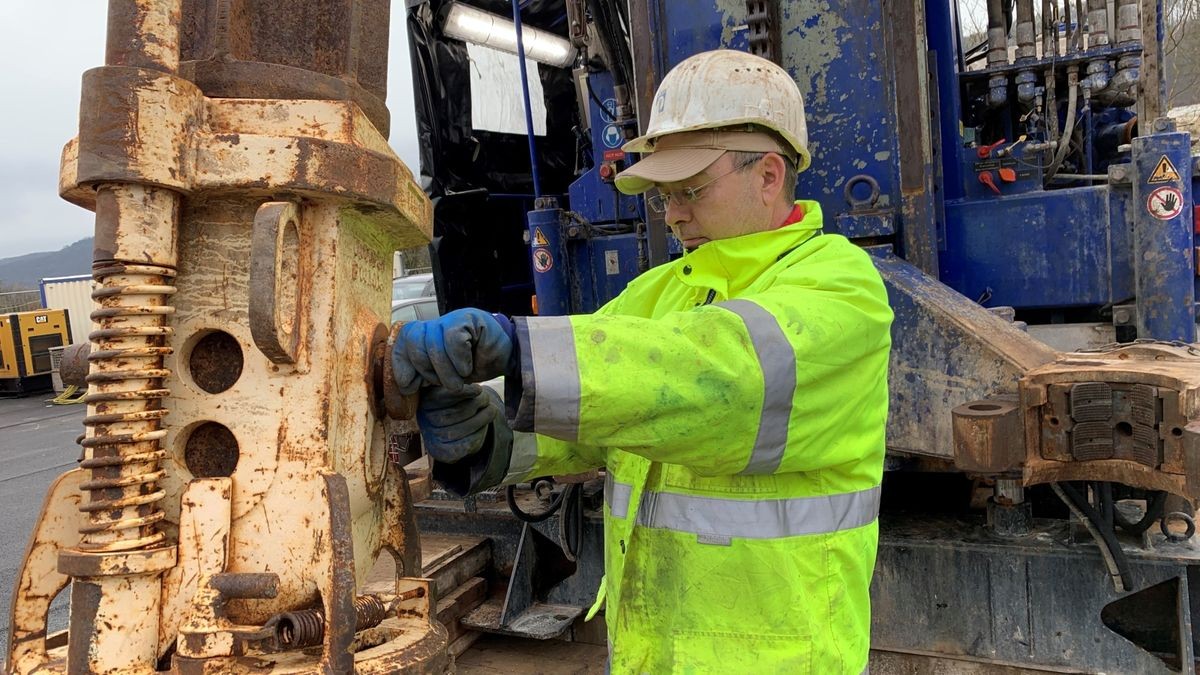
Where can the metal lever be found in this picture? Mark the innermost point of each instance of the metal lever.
(989, 180)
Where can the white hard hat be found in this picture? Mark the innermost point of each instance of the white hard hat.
(723, 88)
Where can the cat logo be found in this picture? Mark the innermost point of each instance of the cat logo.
(41, 318)
(1164, 172)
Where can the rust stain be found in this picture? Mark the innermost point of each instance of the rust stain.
(148, 135)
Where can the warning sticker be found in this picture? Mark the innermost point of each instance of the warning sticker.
(1164, 172)
(1165, 203)
(539, 239)
(612, 136)
(542, 260)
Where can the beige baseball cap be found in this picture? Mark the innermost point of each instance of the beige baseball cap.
(679, 156)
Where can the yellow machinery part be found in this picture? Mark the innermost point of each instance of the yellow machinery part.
(25, 342)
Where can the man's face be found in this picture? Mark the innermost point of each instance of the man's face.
(730, 204)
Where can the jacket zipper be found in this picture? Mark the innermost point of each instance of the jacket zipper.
(712, 294)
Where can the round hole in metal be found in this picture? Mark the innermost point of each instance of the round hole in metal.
(984, 407)
(216, 362)
(211, 451)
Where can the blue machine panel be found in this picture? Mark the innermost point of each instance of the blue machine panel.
(605, 265)
(592, 196)
(841, 69)
(1064, 248)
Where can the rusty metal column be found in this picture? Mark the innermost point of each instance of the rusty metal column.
(117, 566)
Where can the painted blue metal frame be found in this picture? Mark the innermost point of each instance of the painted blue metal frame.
(1164, 261)
(838, 54)
(592, 196)
(585, 257)
(1065, 248)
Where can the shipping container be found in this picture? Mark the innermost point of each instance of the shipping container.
(73, 294)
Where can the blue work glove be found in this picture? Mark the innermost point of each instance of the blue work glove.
(454, 424)
(466, 435)
(466, 345)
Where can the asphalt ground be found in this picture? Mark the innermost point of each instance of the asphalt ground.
(37, 443)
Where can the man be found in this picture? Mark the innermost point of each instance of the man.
(736, 397)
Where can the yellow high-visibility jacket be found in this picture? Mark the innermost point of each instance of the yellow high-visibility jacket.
(738, 399)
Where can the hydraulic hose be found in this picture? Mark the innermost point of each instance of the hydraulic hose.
(1106, 538)
(510, 496)
(1064, 141)
(997, 34)
(1154, 511)
(533, 160)
(1049, 33)
(570, 524)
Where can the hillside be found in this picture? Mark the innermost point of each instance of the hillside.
(24, 271)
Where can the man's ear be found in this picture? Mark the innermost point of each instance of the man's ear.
(772, 170)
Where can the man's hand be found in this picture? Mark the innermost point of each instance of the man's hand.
(454, 424)
(466, 345)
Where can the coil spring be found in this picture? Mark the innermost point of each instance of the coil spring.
(306, 628)
(297, 630)
(125, 408)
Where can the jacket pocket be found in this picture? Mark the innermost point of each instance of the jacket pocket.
(677, 476)
(702, 652)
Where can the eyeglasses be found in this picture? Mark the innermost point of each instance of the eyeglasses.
(659, 201)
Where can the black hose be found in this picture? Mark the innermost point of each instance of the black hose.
(1154, 511)
(979, 51)
(618, 49)
(570, 525)
(1104, 500)
(510, 495)
(596, 99)
(1103, 533)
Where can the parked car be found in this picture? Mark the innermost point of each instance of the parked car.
(413, 286)
(414, 298)
(415, 309)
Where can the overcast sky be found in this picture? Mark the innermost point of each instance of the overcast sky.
(45, 47)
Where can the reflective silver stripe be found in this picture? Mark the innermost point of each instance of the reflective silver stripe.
(777, 359)
(714, 518)
(524, 456)
(555, 376)
(617, 495)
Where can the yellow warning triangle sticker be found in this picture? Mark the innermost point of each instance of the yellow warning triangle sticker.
(539, 239)
(1164, 172)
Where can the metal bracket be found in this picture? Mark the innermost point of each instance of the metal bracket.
(524, 612)
(276, 292)
(38, 580)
